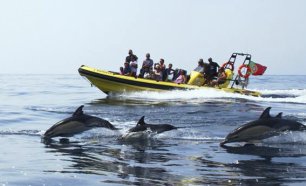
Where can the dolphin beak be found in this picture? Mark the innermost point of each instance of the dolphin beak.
(223, 142)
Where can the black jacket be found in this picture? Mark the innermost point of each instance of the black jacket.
(130, 57)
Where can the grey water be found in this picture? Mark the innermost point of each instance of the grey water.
(30, 104)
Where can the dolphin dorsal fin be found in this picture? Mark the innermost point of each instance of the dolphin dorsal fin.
(265, 113)
(78, 111)
(279, 115)
(141, 121)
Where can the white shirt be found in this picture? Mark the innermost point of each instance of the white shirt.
(133, 66)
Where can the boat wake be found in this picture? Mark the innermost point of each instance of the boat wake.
(297, 96)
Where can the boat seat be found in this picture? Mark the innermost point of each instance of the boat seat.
(196, 78)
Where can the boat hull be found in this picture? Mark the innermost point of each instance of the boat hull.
(110, 82)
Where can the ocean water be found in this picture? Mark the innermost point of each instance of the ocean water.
(30, 104)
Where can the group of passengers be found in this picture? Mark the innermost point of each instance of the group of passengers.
(211, 71)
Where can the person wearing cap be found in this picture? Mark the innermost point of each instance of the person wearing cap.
(146, 66)
(131, 57)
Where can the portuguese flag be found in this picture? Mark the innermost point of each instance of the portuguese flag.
(257, 69)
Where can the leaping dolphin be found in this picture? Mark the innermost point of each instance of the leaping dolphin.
(143, 130)
(262, 128)
(77, 123)
(142, 126)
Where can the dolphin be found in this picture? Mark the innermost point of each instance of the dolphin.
(142, 126)
(262, 128)
(77, 123)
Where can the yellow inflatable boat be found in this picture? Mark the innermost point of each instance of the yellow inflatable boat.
(112, 82)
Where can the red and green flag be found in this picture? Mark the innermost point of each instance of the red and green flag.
(257, 69)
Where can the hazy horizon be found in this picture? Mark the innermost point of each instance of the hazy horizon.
(57, 37)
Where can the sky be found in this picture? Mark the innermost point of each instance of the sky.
(58, 36)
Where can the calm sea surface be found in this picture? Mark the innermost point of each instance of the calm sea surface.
(30, 104)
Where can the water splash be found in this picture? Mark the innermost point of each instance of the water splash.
(200, 96)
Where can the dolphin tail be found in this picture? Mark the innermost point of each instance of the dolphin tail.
(110, 126)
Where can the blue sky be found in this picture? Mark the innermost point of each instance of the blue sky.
(56, 37)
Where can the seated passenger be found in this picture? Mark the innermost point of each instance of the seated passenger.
(176, 74)
(162, 64)
(127, 70)
(221, 77)
(133, 66)
(182, 77)
(200, 67)
(158, 73)
(121, 71)
(131, 57)
(168, 73)
(146, 66)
